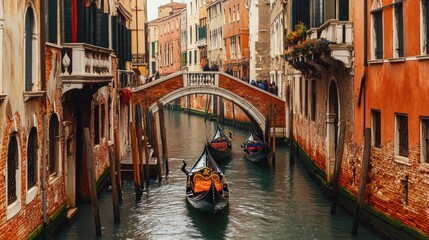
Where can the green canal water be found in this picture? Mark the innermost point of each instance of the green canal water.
(266, 202)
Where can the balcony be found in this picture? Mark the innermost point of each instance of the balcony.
(330, 44)
(85, 64)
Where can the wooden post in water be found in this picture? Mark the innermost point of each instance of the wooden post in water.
(362, 180)
(146, 149)
(140, 148)
(338, 163)
(206, 110)
(233, 114)
(291, 134)
(118, 165)
(91, 181)
(163, 136)
(156, 149)
(135, 155)
(274, 133)
(113, 172)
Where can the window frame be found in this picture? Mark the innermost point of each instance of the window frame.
(424, 140)
(397, 142)
(14, 207)
(398, 30)
(424, 27)
(32, 190)
(31, 82)
(375, 143)
(56, 171)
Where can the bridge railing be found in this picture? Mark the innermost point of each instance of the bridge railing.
(200, 79)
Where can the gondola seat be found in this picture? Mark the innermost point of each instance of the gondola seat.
(219, 145)
(202, 183)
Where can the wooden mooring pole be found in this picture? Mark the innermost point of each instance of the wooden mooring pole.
(362, 180)
(274, 133)
(113, 173)
(91, 181)
(338, 163)
(156, 148)
(146, 149)
(135, 156)
(163, 136)
(291, 134)
(118, 165)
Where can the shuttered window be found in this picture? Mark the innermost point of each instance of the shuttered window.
(52, 21)
(114, 33)
(343, 8)
(66, 19)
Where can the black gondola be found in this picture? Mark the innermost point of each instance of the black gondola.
(206, 186)
(220, 146)
(255, 150)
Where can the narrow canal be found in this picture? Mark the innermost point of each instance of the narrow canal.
(267, 202)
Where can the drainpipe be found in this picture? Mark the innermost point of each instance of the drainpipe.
(43, 84)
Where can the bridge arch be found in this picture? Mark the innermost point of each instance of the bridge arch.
(255, 102)
(245, 105)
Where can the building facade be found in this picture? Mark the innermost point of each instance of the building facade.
(169, 43)
(50, 94)
(153, 46)
(138, 11)
(183, 40)
(277, 30)
(236, 37)
(215, 48)
(259, 40)
(192, 20)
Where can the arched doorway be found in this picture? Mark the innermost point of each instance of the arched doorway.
(332, 129)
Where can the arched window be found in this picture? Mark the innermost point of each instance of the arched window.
(29, 31)
(12, 170)
(52, 12)
(32, 159)
(54, 144)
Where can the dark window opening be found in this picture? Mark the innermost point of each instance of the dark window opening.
(376, 125)
(29, 31)
(32, 158)
(399, 29)
(52, 15)
(53, 143)
(12, 166)
(378, 28)
(402, 122)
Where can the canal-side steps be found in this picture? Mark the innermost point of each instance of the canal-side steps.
(127, 164)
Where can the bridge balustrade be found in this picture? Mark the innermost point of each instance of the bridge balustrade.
(201, 79)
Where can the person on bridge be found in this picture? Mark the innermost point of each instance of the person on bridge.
(206, 68)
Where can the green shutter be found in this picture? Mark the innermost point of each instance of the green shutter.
(105, 30)
(129, 56)
(114, 34)
(52, 21)
(98, 27)
(343, 6)
(67, 21)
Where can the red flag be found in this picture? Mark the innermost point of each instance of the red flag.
(74, 21)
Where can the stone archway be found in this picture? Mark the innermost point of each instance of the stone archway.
(247, 107)
(332, 120)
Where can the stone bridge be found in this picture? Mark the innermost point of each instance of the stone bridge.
(254, 101)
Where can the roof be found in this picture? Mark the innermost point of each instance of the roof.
(174, 5)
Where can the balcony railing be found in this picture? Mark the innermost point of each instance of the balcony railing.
(339, 32)
(85, 64)
(80, 59)
(198, 79)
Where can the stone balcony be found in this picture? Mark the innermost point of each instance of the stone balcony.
(85, 64)
(202, 42)
(339, 52)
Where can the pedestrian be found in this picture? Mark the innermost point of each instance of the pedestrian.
(206, 68)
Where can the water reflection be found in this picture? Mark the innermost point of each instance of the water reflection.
(266, 201)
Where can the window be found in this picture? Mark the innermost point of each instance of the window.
(424, 28)
(32, 159)
(377, 36)
(52, 20)
(12, 170)
(424, 146)
(190, 58)
(190, 34)
(230, 17)
(224, 16)
(54, 141)
(233, 14)
(238, 12)
(401, 136)
(376, 129)
(398, 31)
(30, 46)
(195, 56)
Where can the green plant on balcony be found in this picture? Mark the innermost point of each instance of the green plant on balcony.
(308, 46)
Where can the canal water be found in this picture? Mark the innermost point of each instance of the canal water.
(266, 202)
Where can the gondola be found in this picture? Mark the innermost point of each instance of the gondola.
(206, 186)
(220, 146)
(255, 150)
